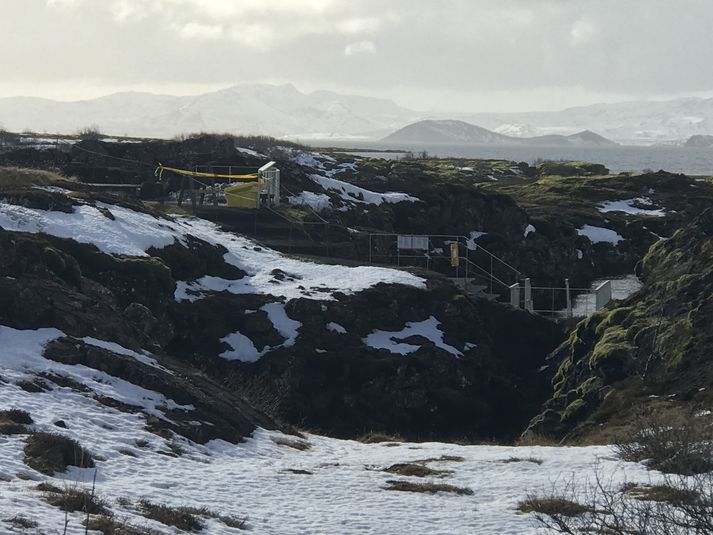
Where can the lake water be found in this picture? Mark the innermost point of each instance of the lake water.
(690, 161)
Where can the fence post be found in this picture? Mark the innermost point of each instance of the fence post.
(515, 295)
(528, 296)
(569, 298)
(603, 295)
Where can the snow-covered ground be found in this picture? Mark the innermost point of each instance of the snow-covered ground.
(334, 486)
(133, 233)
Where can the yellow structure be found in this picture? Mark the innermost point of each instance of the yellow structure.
(242, 195)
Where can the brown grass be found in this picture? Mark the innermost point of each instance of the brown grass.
(73, 499)
(661, 493)
(533, 460)
(376, 438)
(427, 487)
(110, 525)
(17, 176)
(179, 517)
(415, 470)
(49, 453)
(294, 444)
(553, 507)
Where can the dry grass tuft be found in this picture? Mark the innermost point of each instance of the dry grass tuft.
(49, 453)
(428, 487)
(294, 444)
(533, 460)
(553, 507)
(415, 470)
(17, 176)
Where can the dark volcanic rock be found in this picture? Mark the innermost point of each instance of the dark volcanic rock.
(656, 345)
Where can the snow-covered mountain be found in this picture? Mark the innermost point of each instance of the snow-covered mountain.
(282, 110)
(244, 109)
(626, 122)
(449, 131)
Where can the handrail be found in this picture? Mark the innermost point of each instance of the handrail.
(493, 277)
(457, 237)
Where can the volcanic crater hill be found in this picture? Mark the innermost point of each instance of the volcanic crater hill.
(232, 336)
(653, 350)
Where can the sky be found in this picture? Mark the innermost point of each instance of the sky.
(431, 55)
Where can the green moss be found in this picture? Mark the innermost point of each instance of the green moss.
(572, 410)
(613, 343)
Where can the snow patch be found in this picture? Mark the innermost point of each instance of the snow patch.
(352, 193)
(129, 233)
(427, 329)
(529, 230)
(336, 328)
(600, 234)
(627, 206)
(316, 201)
(474, 235)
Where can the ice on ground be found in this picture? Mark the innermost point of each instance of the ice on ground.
(336, 328)
(529, 230)
(352, 193)
(427, 328)
(627, 206)
(316, 201)
(600, 234)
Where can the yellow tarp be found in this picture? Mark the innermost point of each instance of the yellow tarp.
(161, 168)
(242, 195)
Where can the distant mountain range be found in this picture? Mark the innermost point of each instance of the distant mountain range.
(437, 132)
(645, 122)
(276, 110)
(282, 110)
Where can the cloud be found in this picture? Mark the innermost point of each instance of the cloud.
(196, 30)
(637, 48)
(361, 47)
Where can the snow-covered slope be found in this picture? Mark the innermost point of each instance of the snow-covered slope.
(326, 486)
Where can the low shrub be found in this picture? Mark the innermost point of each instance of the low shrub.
(49, 453)
(180, 517)
(671, 444)
(73, 499)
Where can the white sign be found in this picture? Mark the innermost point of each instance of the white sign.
(413, 243)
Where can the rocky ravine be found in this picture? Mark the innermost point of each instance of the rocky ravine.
(239, 331)
(650, 351)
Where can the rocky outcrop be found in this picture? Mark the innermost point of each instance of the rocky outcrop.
(654, 346)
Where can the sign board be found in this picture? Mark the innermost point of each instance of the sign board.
(455, 255)
(412, 243)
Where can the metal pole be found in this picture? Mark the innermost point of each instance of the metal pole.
(491, 274)
(569, 298)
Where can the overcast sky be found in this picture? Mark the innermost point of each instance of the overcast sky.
(444, 55)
